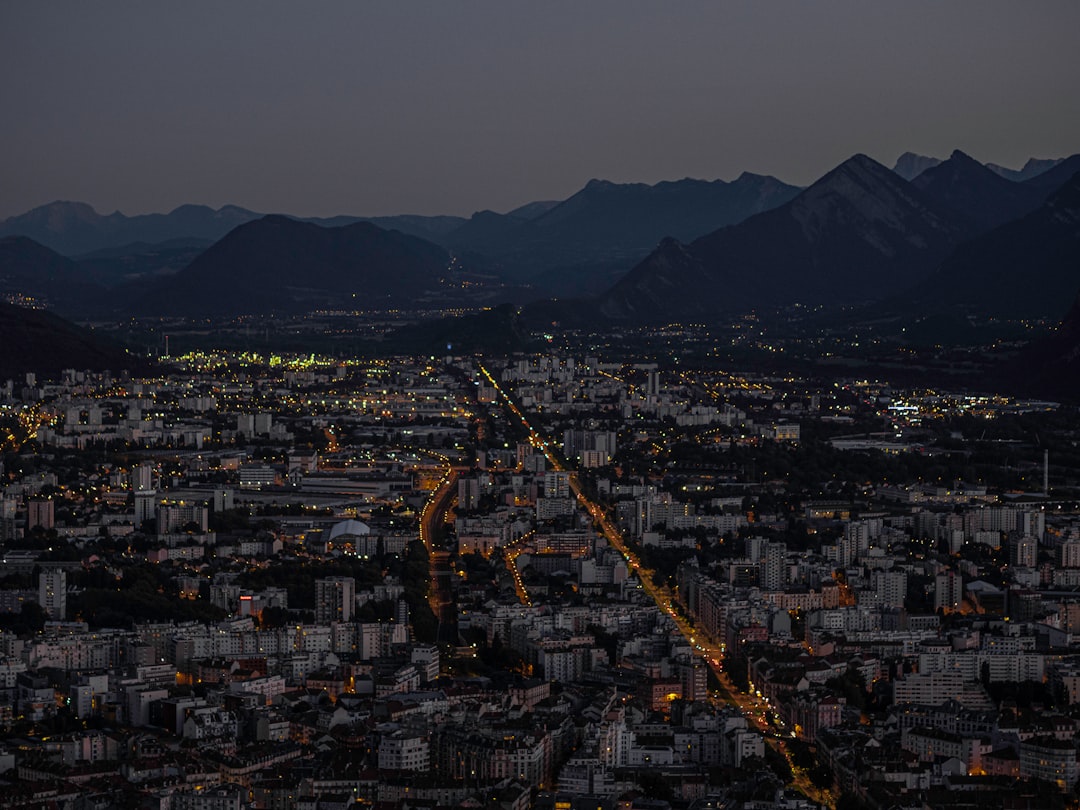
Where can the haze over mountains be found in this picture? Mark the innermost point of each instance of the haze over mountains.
(674, 250)
(75, 228)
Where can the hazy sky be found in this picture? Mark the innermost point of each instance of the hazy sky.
(448, 107)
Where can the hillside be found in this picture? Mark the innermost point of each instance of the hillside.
(38, 341)
(277, 264)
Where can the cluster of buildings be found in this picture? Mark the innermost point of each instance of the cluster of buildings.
(214, 594)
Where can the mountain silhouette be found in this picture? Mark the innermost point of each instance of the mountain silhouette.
(611, 223)
(1033, 168)
(277, 264)
(75, 228)
(975, 194)
(1027, 268)
(856, 233)
(1056, 176)
(41, 342)
(31, 271)
(910, 165)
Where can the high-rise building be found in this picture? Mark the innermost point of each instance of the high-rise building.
(8, 508)
(652, 388)
(891, 587)
(1023, 551)
(334, 599)
(146, 503)
(40, 512)
(52, 592)
(773, 567)
(948, 591)
(556, 484)
(142, 478)
(223, 500)
(245, 423)
(174, 516)
(1069, 554)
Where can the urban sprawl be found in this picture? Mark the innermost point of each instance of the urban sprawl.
(561, 581)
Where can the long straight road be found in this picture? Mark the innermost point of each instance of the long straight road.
(709, 649)
(712, 652)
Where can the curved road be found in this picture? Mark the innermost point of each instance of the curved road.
(440, 594)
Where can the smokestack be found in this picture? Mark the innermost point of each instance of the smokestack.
(1046, 472)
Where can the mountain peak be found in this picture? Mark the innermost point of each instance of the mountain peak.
(974, 193)
(60, 211)
(1032, 168)
(963, 158)
(279, 219)
(910, 165)
(959, 166)
(753, 179)
(1035, 166)
(277, 263)
(595, 184)
(859, 169)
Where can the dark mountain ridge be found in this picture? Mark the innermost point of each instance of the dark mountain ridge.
(1032, 168)
(33, 272)
(1055, 177)
(1026, 268)
(113, 267)
(910, 165)
(74, 228)
(606, 222)
(976, 195)
(41, 342)
(854, 234)
(277, 264)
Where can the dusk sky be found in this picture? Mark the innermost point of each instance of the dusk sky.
(448, 107)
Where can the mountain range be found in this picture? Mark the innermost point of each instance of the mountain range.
(849, 237)
(910, 165)
(608, 222)
(75, 228)
(975, 195)
(960, 240)
(862, 233)
(669, 251)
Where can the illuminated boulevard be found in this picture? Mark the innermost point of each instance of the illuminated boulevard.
(440, 596)
(710, 650)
